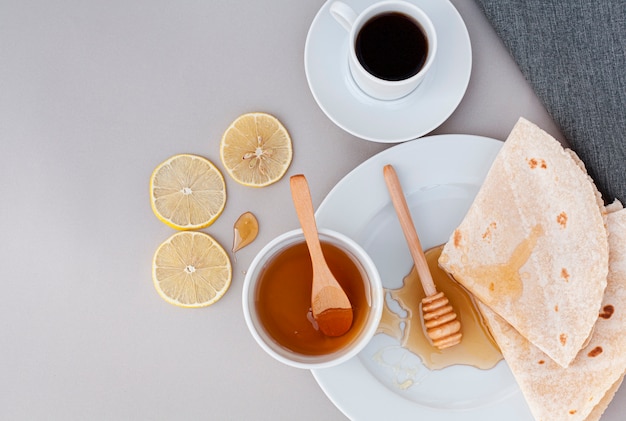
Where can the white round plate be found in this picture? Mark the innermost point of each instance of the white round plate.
(440, 176)
(332, 86)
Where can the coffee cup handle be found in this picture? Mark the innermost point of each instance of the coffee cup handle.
(343, 14)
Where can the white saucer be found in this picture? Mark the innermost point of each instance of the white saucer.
(326, 66)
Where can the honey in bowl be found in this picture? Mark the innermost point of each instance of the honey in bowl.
(283, 299)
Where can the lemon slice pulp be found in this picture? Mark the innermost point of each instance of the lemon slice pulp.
(191, 269)
(187, 192)
(256, 150)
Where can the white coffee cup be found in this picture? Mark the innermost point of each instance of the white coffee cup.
(375, 85)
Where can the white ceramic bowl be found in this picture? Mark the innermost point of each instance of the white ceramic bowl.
(374, 290)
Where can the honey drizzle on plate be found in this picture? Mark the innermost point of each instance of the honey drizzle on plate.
(477, 348)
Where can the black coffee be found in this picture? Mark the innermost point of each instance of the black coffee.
(392, 46)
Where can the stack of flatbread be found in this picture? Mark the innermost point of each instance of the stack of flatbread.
(547, 261)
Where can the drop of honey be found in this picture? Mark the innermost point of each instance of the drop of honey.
(246, 229)
(477, 348)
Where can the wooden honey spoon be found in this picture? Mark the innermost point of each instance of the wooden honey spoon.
(440, 320)
(330, 305)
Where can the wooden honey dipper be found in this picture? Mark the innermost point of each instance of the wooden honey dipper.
(440, 320)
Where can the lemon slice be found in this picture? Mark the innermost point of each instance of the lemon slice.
(256, 150)
(187, 192)
(191, 269)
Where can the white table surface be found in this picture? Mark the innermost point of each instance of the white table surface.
(93, 95)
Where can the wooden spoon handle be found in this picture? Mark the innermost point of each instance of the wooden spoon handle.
(303, 203)
(408, 228)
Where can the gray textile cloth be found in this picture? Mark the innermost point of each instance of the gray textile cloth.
(573, 53)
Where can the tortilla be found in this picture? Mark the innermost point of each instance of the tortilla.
(533, 245)
(597, 412)
(584, 389)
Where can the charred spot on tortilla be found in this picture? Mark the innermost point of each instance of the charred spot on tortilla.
(542, 361)
(595, 352)
(457, 238)
(565, 274)
(556, 308)
(561, 219)
(537, 163)
(487, 233)
(563, 339)
(607, 311)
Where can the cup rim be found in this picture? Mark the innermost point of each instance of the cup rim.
(318, 361)
(423, 21)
